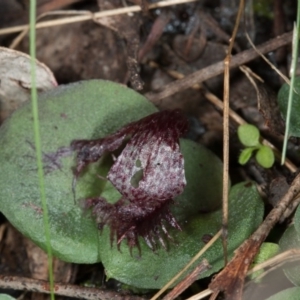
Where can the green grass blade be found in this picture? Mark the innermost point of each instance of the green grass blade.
(37, 140)
(291, 92)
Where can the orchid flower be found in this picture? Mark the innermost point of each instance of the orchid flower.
(149, 174)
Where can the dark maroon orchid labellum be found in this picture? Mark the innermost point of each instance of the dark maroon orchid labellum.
(149, 174)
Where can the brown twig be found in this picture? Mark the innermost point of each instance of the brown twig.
(274, 262)
(16, 41)
(53, 5)
(233, 115)
(201, 295)
(208, 22)
(188, 280)
(191, 262)
(292, 255)
(231, 278)
(236, 118)
(225, 194)
(281, 75)
(101, 14)
(218, 68)
(156, 32)
(69, 290)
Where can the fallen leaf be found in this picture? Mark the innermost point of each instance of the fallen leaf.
(15, 80)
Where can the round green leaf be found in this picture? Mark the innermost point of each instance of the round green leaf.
(84, 110)
(154, 269)
(266, 251)
(283, 96)
(290, 240)
(248, 135)
(265, 157)
(6, 297)
(288, 294)
(245, 155)
(203, 172)
(297, 220)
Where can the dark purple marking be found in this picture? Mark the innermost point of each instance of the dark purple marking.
(149, 173)
(52, 160)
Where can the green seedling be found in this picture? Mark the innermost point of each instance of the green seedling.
(249, 136)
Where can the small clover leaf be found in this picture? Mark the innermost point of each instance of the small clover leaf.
(246, 155)
(265, 156)
(248, 135)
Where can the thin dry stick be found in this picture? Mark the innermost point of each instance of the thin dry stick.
(216, 101)
(192, 261)
(188, 280)
(101, 14)
(217, 68)
(225, 190)
(267, 61)
(271, 269)
(234, 116)
(231, 278)
(69, 290)
(226, 134)
(201, 295)
(22, 34)
(250, 75)
(287, 256)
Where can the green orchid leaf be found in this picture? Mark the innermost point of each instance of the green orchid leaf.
(154, 269)
(84, 110)
(290, 240)
(93, 109)
(297, 220)
(6, 297)
(288, 294)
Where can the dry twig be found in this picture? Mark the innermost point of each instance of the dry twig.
(225, 193)
(233, 115)
(218, 68)
(101, 14)
(188, 280)
(69, 290)
(231, 278)
(192, 261)
(276, 261)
